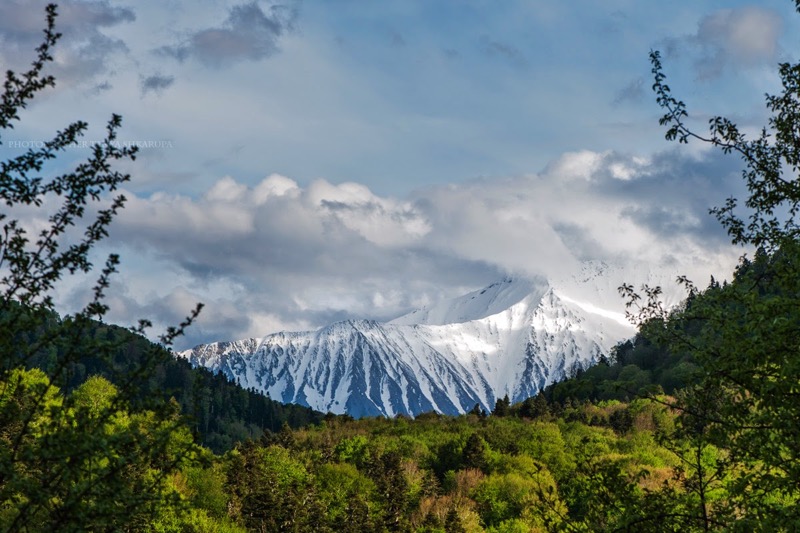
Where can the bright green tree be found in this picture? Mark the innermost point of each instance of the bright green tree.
(85, 460)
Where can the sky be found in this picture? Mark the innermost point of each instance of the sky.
(307, 162)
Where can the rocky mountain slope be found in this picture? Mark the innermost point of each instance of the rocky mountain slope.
(513, 337)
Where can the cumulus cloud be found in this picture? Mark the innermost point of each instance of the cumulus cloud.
(84, 51)
(603, 205)
(248, 33)
(294, 252)
(278, 255)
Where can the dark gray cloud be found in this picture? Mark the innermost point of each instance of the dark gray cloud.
(281, 301)
(508, 52)
(282, 296)
(294, 252)
(633, 92)
(575, 238)
(451, 53)
(21, 22)
(101, 87)
(219, 321)
(156, 83)
(84, 51)
(248, 33)
(662, 220)
(671, 198)
(397, 39)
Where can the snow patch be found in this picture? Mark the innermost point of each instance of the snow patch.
(513, 337)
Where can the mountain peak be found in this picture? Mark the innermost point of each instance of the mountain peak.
(514, 337)
(478, 304)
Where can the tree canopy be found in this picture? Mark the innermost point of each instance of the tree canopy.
(744, 337)
(83, 460)
(692, 426)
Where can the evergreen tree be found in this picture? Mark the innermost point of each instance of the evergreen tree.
(452, 522)
(744, 336)
(502, 407)
(535, 407)
(474, 455)
(478, 411)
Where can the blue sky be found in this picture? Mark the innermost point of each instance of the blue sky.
(323, 160)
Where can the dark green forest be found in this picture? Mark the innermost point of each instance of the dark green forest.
(692, 425)
(218, 412)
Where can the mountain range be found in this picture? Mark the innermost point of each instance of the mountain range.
(512, 338)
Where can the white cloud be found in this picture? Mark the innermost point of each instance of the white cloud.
(382, 221)
(749, 34)
(278, 255)
(745, 36)
(274, 185)
(290, 252)
(226, 190)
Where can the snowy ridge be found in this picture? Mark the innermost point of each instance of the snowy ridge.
(491, 300)
(514, 337)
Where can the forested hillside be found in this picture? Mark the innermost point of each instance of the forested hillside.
(220, 412)
(605, 450)
(692, 426)
(574, 458)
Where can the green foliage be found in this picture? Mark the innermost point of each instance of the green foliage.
(501, 474)
(353, 450)
(744, 338)
(502, 498)
(502, 406)
(269, 489)
(737, 431)
(475, 453)
(220, 412)
(639, 367)
(91, 436)
(83, 460)
(345, 493)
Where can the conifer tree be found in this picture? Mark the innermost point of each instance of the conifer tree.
(744, 336)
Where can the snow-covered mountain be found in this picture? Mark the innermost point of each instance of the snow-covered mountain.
(513, 337)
